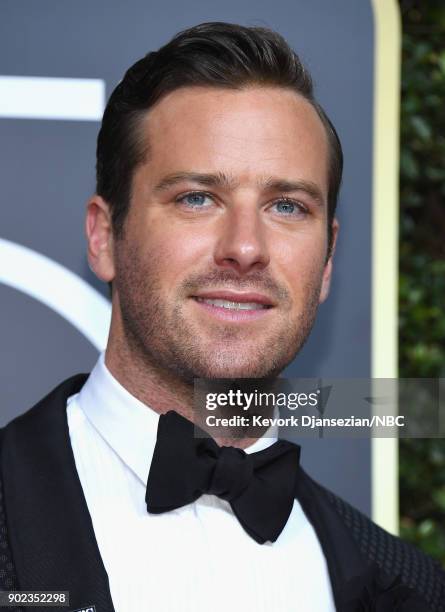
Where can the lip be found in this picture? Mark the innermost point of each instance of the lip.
(234, 296)
(234, 316)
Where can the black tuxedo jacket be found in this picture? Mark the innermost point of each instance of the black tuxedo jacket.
(47, 541)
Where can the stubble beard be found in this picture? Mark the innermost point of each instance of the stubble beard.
(165, 339)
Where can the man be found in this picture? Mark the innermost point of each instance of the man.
(217, 182)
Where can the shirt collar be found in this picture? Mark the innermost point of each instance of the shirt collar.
(128, 425)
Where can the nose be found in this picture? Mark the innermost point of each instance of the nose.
(241, 243)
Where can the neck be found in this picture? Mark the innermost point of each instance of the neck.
(157, 388)
(150, 384)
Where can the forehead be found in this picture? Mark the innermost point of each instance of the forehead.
(248, 133)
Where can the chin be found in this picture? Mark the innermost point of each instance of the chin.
(242, 369)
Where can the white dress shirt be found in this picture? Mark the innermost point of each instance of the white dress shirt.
(194, 559)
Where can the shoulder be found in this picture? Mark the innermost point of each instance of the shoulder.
(8, 578)
(390, 553)
(16, 439)
(54, 401)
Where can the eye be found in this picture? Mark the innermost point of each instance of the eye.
(288, 207)
(195, 199)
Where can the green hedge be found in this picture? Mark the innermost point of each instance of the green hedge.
(422, 260)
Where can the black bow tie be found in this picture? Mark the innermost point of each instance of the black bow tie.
(260, 487)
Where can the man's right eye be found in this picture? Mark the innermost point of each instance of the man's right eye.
(195, 199)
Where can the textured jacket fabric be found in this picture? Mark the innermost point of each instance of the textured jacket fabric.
(47, 541)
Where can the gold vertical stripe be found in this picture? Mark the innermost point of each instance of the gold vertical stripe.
(385, 224)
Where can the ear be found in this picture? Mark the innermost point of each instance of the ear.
(326, 282)
(98, 228)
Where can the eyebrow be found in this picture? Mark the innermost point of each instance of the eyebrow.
(224, 181)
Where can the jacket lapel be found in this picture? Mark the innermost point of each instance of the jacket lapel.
(50, 530)
(342, 554)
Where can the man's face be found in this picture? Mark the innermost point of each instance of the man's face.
(223, 259)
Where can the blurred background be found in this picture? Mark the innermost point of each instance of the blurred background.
(422, 260)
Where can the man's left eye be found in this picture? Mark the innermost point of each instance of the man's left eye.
(289, 207)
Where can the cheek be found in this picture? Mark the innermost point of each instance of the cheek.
(172, 254)
(301, 255)
(300, 265)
